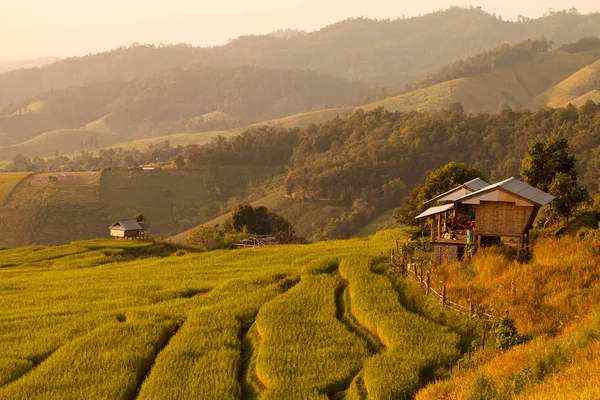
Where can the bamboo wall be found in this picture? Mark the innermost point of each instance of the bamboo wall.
(502, 219)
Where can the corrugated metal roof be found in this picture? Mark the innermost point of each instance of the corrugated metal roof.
(517, 187)
(435, 210)
(453, 194)
(126, 225)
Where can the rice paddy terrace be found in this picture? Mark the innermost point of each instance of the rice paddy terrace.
(102, 319)
(99, 319)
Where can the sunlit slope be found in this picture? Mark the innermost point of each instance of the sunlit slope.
(62, 141)
(577, 88)
(300, 120)
(308, 217)
(516, 86)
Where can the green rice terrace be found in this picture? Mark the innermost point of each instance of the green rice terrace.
(100, 319)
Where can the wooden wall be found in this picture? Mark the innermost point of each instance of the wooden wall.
(501, 219)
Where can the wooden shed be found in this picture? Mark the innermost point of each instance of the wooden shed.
(484, 216)
(128, 229)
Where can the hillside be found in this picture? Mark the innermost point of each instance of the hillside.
(518, 85)
(194, 99)
(581, 86)
(300, 120)
(327, 320)
(308, 217)
(62, 141)
(81, 205)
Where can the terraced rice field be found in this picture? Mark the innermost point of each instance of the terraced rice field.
(288, 322)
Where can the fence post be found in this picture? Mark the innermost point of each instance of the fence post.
(392, 255)
(421, 274)
(444, 295)
(428, 283)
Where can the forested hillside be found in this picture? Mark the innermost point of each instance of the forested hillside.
(178, 100)
(368, 160)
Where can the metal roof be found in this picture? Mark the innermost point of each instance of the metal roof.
(435, 210)
(456, 193)
(518, 188)
(127, 225)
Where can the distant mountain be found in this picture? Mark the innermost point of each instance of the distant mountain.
(193, 99)
(6, 66)
(382, 52)
(117, 65)
(393, 53)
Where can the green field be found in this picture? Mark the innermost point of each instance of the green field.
(174, 326)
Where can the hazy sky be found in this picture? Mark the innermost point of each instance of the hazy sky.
(36, 28)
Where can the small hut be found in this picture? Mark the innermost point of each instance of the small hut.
(258, 241)
(128, 229)
(483, 216)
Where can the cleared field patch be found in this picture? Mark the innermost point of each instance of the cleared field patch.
(65, 195)
(8, 181)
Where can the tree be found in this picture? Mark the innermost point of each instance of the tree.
(544, 160)
(550, 167)
(243, 217)
(206, 238)
(569, 194)
(139, 217)
(439, 181)
(179, 161)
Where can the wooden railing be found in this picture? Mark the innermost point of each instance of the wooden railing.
(402, 261)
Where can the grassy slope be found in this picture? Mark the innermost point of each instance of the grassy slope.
(306, 216)
(182, 139)
(177, 139)
(63, 141)
(516, 85)
(83, 204)
(583, 82)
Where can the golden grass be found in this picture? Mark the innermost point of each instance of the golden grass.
(579, 84)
